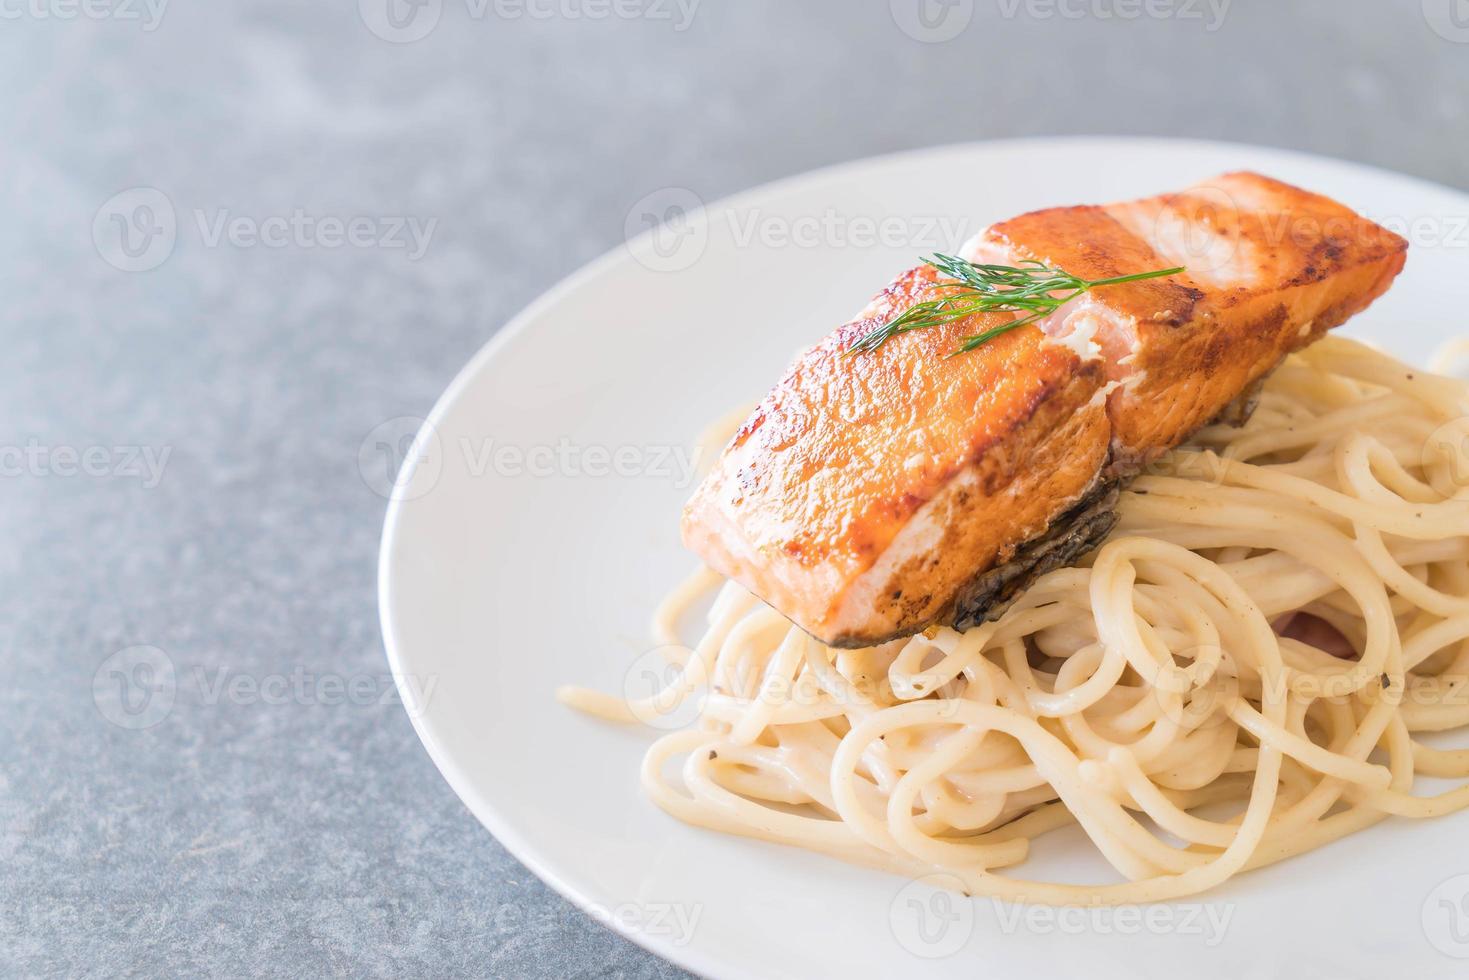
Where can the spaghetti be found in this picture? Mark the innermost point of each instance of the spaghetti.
(1242, 673)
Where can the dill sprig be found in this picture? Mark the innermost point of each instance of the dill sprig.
(1031, 288)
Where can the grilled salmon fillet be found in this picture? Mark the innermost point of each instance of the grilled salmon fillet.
(872, 495)
(1269, 269)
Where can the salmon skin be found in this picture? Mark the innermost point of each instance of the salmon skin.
(874, 494)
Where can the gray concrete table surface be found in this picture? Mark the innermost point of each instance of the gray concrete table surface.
(180, 419)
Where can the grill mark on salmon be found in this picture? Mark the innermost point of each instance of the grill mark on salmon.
(869, 497)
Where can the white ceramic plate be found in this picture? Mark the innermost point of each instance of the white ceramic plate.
(510, 566)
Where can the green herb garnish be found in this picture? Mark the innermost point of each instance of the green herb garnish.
(1032, 288)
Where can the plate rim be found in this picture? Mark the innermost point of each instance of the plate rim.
(482, 808)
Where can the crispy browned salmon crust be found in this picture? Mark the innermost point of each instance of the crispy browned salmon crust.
(871, 496)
